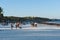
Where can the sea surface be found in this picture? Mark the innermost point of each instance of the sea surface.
(46, 32)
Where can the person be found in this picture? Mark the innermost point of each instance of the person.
(32, 24)
(35, 24)
(18, 25)
(12, 26)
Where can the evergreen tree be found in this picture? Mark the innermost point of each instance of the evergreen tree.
(1, 14)
(1, 10)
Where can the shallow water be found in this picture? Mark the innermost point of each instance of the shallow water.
(31, 34)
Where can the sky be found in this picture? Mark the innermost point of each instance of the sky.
(39, 8)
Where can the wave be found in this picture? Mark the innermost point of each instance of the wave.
(34, 29)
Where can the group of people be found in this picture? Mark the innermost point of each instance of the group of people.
(34, 24)
(17, 25)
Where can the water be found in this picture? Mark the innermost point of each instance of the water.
(31, 34)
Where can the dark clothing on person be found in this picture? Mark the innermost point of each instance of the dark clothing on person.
(12, 26)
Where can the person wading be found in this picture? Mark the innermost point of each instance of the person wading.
(18, 25)
(12, 26)
(32, 24)
(35, 24)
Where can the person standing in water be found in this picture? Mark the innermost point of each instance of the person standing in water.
(32, 24)
(18, 25)
(35, 24)
(12, 26)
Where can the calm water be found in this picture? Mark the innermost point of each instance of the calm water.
(30, 34)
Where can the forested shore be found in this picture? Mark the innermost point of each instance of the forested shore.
(24, 19)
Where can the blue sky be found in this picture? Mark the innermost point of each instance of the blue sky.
(40, 8)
